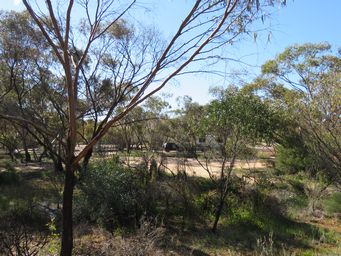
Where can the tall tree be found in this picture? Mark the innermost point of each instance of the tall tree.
(102, 63)
(32, 97)
(237, 121)
(305, 81)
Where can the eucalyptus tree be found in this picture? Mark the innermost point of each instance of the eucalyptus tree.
(156, 126)
(31, 97)
(305, 81)
(140, 129)
(237, 121)
(106, 67)
(12, 60)
(185, 126)
(9, 139)
(144, 124)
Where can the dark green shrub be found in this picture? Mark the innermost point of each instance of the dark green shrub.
(9, 176)
(26, 212)
(111, 195)
(297, 185)
(177, 200)
(293, 159)
(332, 204)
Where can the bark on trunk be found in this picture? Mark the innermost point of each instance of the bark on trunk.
(86, 162)
(43, 154)
(27, 156)
(218, 214)
(67, 233)
(57, 163)
(27, 153)
(58, 167)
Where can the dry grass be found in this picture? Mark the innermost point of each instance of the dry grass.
(96, 241)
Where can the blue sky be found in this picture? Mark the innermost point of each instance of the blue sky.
(299, 22)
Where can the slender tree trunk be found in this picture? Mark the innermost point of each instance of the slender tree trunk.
(218, 212)
(35, 156)
(43, 154)
(86, 161)
(27, 153)
(224, 185)
(128, 147)
(57, 163)
(11, 154)
(67, 233)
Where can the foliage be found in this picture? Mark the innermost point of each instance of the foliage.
(143, 128)
(184, 207)
(332, 203)
(185, 129)
(144, 241)
(293, 159)
(237, 121)
(99, 66)
(23, 230)
(64, 82)
(303, 82)
(9, 176)
(246, 114)
(115, 197)
(111, 195)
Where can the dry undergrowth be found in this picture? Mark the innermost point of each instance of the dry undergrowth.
(96, 241)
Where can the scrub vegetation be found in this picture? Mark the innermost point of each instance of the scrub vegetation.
(94, 162)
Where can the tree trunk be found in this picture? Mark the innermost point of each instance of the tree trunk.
(27, 153)
(11, 154)
(218, 214)
(57, 163)
(86, 161)
(43, 154)
(27, 156)
(67, 233)
(58, 166)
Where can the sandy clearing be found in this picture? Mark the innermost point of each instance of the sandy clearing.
(193, 168)
(170, 164)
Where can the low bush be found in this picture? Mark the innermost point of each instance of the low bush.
(9, 176)
(23, 230)
(145, 241)
(332, 204)
(292, 159)
(114, 196)
(111, 195)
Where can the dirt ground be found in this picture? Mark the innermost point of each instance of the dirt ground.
(193, 167)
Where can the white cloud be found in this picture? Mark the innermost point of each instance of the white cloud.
(16, 2)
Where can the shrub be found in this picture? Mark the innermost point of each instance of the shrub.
(177, 201)
(111, 195)
(332, 204)
(144, 241)
(9, 175)
(293, 159)
(23, 230)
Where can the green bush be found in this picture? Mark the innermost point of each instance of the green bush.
(24, 213)
(293, 159)
(111, 195)
(332, 204)
(9, 176)
(114, 196)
